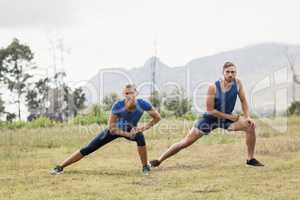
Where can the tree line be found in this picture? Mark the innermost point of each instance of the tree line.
(51, 97)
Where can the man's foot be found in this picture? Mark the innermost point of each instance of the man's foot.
(57, 170)
(154, 163)
(146, 169)
(254, 162)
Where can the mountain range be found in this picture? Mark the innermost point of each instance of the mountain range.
(263, 68)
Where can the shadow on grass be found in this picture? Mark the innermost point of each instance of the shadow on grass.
(102, 172)
(177, 167)
(206, 191)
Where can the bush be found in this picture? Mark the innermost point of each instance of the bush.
(41, 122)
(190, 116)
(166, 113)
(294, 108)
(14, 125)
(90, 119)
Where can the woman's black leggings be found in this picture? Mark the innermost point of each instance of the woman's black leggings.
(105, 137)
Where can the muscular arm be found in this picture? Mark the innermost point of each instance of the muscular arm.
(243, 99)
(210, 106)
(155, 119)
(112, 126)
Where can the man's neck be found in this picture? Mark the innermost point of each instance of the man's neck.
(226, 83)
(131, 108)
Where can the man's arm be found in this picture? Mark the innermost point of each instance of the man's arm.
(243, 99)
(155, 119)
(112, 126)
(210, 106)
(245, 105)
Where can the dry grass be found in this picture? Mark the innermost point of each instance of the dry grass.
(211, 169)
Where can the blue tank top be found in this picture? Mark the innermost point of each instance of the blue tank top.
(224, 101)
(127, 120)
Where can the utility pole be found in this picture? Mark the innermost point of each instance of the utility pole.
(153, 69)
(154, 96)
(57, 50)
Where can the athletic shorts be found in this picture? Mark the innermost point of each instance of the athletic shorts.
(106, 137)
(207, 124)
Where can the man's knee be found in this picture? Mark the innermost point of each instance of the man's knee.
(191, 137)
(140, 139)
(100, 140)
(87, 150)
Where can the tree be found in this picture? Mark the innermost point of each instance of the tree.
(32, 101)
(16, 60)
(294, 108)
(291, 58)
(109, 100)
(2, 107)
(96, 110)
(178, 102)
(79, 99)
(3, 70)
(10, 116)
(64, 102)
(73, 100)
(37, 97)
(59, 90)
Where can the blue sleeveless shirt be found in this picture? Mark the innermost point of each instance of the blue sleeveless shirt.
(126, 119)
(224, 101)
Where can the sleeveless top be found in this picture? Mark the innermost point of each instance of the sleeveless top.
(224, 101)
(126, 119)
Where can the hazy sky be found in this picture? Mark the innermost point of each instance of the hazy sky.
(98, 33)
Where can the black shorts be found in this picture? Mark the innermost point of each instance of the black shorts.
(207, 124)
(105, 137)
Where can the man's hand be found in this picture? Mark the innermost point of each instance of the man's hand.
(133, 132)
(250, 122)
(234, 118)
(136, 130)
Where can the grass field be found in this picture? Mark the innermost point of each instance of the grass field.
(213, 168)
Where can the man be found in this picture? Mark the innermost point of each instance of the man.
(123, 121)
(220, 103)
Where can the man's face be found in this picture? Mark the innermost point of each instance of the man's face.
(130, 95)
(229, 73)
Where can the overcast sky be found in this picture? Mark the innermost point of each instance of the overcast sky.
(98, 33)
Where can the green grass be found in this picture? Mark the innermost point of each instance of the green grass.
(213, 168)
(44, 122)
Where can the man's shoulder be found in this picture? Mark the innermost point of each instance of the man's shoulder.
(238, 83)
(118, 104)
(144, 104)
(142, 101)
(212, 86)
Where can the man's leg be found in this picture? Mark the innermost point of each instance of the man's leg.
(142, 148)
(142, 151)
(100, 140)
(243, 125)
(76, 156)
(193, 135)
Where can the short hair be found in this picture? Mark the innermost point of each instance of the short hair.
(227, 64)
(130, 86)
